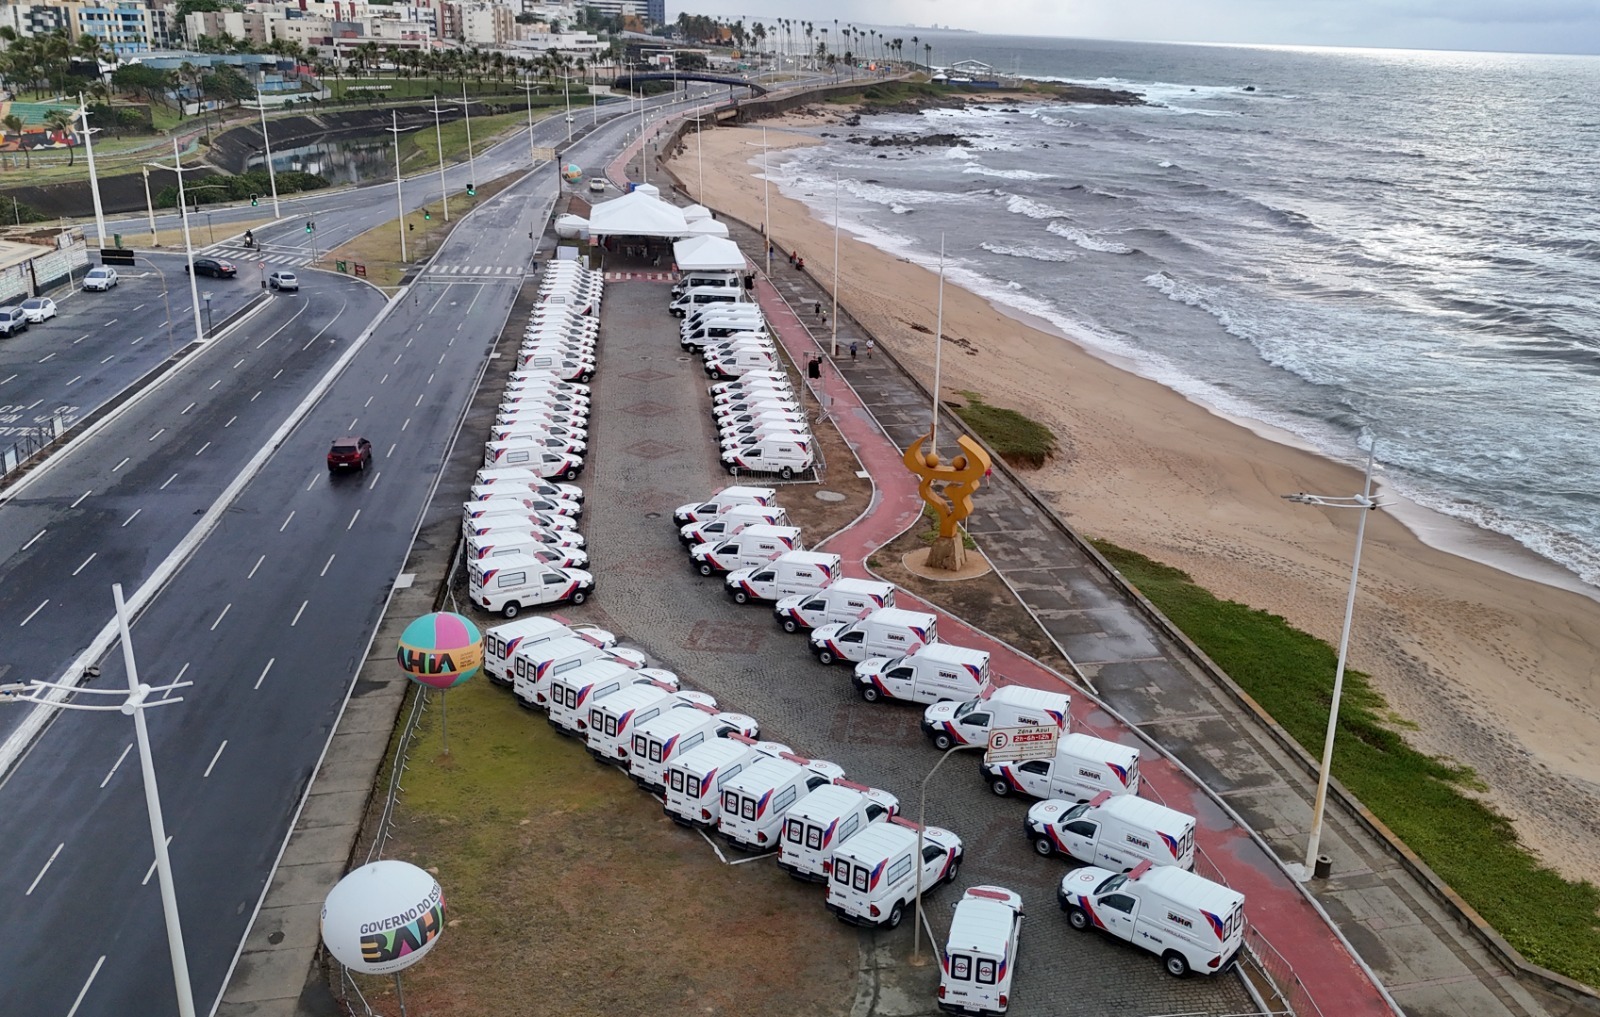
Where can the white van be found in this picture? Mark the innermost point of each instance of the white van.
(733, 434)
(613, 719)
(826, 818)
(755, 802)
(541, 425)
(695, 340)
(546, 380)
(1083, 767)
(564, 367)
(775, 454)
(516, 451)
(847, 600)
(703, 296)
(556, 346)
(719, 390)
(510, 583)
(754, 545)
(937, 672)
(509, 501)
(525, 495)
(731, 522)
(790, 432)
(715, 312)
(573, 692)
(705, 279)
(533, 668)
(501, 641)
(527, 478)
(776, 388)
(796, 573)
(662, 739)
(1115, 832)
(723, 500)
(886, 632)
(519, 526)
(1191, 922)
(741, 342)
(948, 724)
(503, 543)
(980, 954)
(752, 405)
(539, 416)
(874, 874)
(696, 778)
(546, 464)
(736, 363)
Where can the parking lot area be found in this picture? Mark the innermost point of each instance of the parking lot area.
(652, 447)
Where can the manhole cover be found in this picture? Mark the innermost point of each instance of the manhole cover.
(829, 496)
(652, 515)
(683, 360)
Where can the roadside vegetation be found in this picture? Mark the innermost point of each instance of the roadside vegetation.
(1426, 801)
(378, 249)
(1020, 441)
(221, 188)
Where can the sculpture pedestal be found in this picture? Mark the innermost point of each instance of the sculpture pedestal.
(948, 553)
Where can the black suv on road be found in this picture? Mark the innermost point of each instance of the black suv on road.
(214, 267)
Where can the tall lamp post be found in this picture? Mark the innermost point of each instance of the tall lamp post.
(94, 179)
(135, 700)
(1366, 503)
(922, 817)
(766, 198)
(533, 154)
(272, 175)
(472, 163)
(188, 246)
(399, 197)
(438, 139)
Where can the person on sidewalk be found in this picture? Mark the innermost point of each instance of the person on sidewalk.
(852, 351)
(870, 347)
(816, 307)
(814, 368)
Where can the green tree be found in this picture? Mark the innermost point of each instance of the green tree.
(60, 120)
(13, 125)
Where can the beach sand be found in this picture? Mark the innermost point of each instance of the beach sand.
(1497, 672)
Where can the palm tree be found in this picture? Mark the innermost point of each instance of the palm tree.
(60, 121)
(914, 41)
(927, 63)
(13, 124)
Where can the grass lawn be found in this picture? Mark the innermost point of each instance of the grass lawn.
(1552, 921)
(199, 235)
(420, 149)
(378, 249)
(569, 892)
(1019, 440)
(424, 88)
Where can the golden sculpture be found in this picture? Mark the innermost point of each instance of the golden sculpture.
(952, 503)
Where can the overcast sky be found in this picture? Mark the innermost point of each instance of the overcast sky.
(1541, 26)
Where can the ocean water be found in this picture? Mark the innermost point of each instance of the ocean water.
(1391, 245)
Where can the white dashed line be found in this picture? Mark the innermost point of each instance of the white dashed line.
(352, 522)
(11, 377)
(408, 419)
(137, 341)
(430, 379)
(329, 563)
(225, 609)
(50, 356)
(257, 565)
(263, 675)
(85, 990)
(152, 869)
(105, 361)
(383, 379)
(35, 611)
(81, 338)
(113, 321)
(441, 358)
(286, 521)
(255, 397)
(113, 771)
(419, 399)
(204, 447)
(368, 402)
(85, 564)
(352, 427)
(386, 455)
(214, 384)
(41, 533)
(158, 434)
(81, 497)
(236, 366)
(131, 518)
(191, 406)
(169, 480)
(231, 420)
(121, 464)
(224, 745)
(276, 373)
(298, 613)
(375, 477)
(75, 378)
(51, 861)
(397, 357)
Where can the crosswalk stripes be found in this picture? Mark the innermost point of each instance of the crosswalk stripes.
(640, 277)
(246, 254)
(478, 270)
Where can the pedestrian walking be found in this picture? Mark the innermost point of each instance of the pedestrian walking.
(824, 319)
(814, 368)
(816, 307)
(870, 347)
(852, 352)
(791, 259)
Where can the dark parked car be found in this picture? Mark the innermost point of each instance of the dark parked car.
(349, 454)
(214, 267)
(13, 320)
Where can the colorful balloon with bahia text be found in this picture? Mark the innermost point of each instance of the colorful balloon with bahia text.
(440, 650)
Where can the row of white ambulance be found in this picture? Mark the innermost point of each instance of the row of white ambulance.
(520, 523)
(761, 427)
(1139, 854)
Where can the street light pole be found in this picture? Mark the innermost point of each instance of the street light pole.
(938, 352)
(533, 154)
(94, 179)
(922, 816)
(472, 164)
(835, 340)
(183, 209)
(438, 139)
(272, 175)
(1366, 503)
(150, 208)
(135, 701)
(399, 198)
(566, 92)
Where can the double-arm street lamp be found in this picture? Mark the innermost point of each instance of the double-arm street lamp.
(1365, 502)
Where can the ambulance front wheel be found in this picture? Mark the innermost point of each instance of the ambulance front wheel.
(1044, 846)
(1000, 786)
(896, 913)
(824, 657)
(705, 568)
(1078, 918)
(786, 473)
(511, 609)
(943, 742)
(740, 597)
(578, 597)
(733, 471)
(1175, 964)
(791, 626)
(869, 693)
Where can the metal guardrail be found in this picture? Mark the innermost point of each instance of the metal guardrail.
(35, 440)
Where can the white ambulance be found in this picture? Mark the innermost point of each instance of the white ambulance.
(1083, 767)
(534, 667)
(776, 453)
(516, 527)
(523, 495)
(980, 954)
(755, 802)
(1115, 832)
(572, 693)
(846, 600)
(752, 546)
(1192, 923)
(949, 724)
(873, 875)
(530, 480)
(886, 632)
(795, 574)
(722, 501)
(501, 641)
(826, 818)
(730, 523)
(696, 778)
(661, 740)
(507, 584)
(936, 672)
(613, 719)
(503, 543)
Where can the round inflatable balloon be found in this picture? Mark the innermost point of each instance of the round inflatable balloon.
(383, 917)
(572, 173)
(440, 650)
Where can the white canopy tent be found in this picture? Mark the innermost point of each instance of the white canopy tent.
(637, 214)
(650, 189)
(694, 213)
(708, 254)
(707, 228)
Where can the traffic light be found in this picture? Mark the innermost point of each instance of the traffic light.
(311, 227)
(472, 190)
(427, 214)
(255, 199)
(410, 226)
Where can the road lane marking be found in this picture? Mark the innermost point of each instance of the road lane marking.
(263, 342)
(36, 402)
(231, 420)
(50, 356)
(9, 378)
(81, 497)
(86, 335)
(225, 609)
(275, 376)
(85, 990)
(214, 384)
(113, 771)
(351, 523)
(213, 763)
(76, 377)
(307, 346)
(108, 324)
(139, 308)
(329, 563)
(236, 366)
(352, 427)
(257, 395)
(35, 539)
(386, 455)
(419, 399)
(430, 379)
(131, 518)
(257, 565)
(397, 357)
(85, 564)
(286, 521)
(409, 341)
(35, 611)
(137, 341)
(368, 402)
(152, 869)
(186, 409)
(441, 358)
(408, 421)
(47, 864)
(121, 464)
(298, 613)
(105, 361)
(204, 447)
(263, 675)
(176, 679)
(169, 480)
(375, 477)
(419, 326)
(383, 379)
(313, 482)
(158, 434)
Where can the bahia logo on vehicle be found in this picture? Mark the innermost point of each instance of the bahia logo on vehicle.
(383, 917)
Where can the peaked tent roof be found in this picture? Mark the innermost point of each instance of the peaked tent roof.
(707, 228)
(694, 213)
(637, 214)
(707, 254)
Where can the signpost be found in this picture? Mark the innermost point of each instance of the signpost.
(1020, 744)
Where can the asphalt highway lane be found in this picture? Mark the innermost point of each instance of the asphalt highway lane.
(100, 343)
(112, 507)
